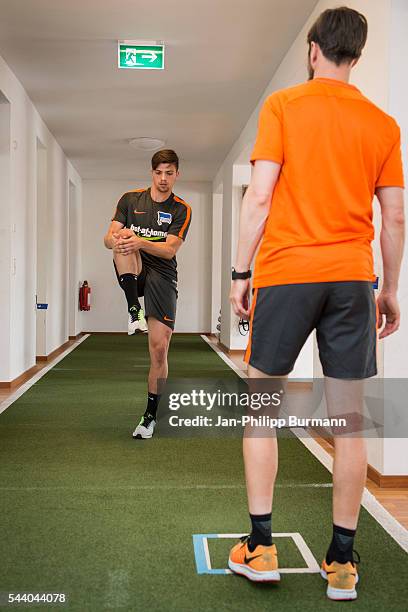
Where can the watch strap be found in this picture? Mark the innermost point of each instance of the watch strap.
(240, 275)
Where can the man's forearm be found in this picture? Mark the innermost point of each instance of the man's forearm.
(158, 249)
(392, 247)
(108, 241)
(254, 212)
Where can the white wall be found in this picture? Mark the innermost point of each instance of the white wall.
(5, 236)
(108, 311)
(26, 127)
(74, 254)
(43, 258)
(395, 357)
(241, 175)
(216, 261)
(395, 347)
(226, 254)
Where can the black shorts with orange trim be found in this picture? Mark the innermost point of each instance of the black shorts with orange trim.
(159, 293)
(343, 314)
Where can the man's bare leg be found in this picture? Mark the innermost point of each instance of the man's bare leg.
(349, 478)
(260, 452)
(159, 342)
(350, 455)
(261, 465)
(128, 264)
(345, 397)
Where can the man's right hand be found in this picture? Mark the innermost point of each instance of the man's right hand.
(388, 307)
(239, 298)
(122, 233)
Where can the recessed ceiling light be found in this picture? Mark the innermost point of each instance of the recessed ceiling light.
(144, 143)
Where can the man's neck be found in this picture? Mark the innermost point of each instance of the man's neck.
(159, 196)
(337, 73)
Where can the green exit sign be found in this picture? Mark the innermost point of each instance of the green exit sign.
(139, 55)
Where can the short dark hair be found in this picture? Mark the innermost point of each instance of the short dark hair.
(341, 34)
(165, 156)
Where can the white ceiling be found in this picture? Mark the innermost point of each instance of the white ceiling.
(220, 56)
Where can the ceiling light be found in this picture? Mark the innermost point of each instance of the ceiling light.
(144, 143)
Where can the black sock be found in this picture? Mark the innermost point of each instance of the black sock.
(128, 282)
(341, 546)
(261, 530)
(152, 403)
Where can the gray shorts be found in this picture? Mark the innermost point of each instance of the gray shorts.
(160, 295)
(343, 314)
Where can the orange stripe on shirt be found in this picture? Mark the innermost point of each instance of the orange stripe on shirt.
(186, 222)
(248, 351)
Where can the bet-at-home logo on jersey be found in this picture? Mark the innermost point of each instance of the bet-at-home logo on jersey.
(163, 217)
(148, 232)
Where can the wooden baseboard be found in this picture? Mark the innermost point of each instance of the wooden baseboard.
(387, 481)
(20, 379)
(77, 337)
(58, 351)
(112, 333)
(384, 481)
(39, 359)
(299, 384)
(230, 351)
(191, 333)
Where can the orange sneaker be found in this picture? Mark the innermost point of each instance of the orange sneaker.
(341, 580)
(261, 565)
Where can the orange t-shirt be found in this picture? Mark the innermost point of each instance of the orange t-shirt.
(335, 147)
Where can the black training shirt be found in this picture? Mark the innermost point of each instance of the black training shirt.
(154, 221)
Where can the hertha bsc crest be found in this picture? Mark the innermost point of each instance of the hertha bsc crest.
(163, 217)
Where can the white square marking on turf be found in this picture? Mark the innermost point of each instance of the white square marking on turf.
(203, 560)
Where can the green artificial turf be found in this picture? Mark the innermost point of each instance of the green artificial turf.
(108, 520)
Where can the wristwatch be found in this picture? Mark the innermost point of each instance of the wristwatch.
(240, 275)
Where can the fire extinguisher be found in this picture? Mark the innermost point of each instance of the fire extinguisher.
(85, 296)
